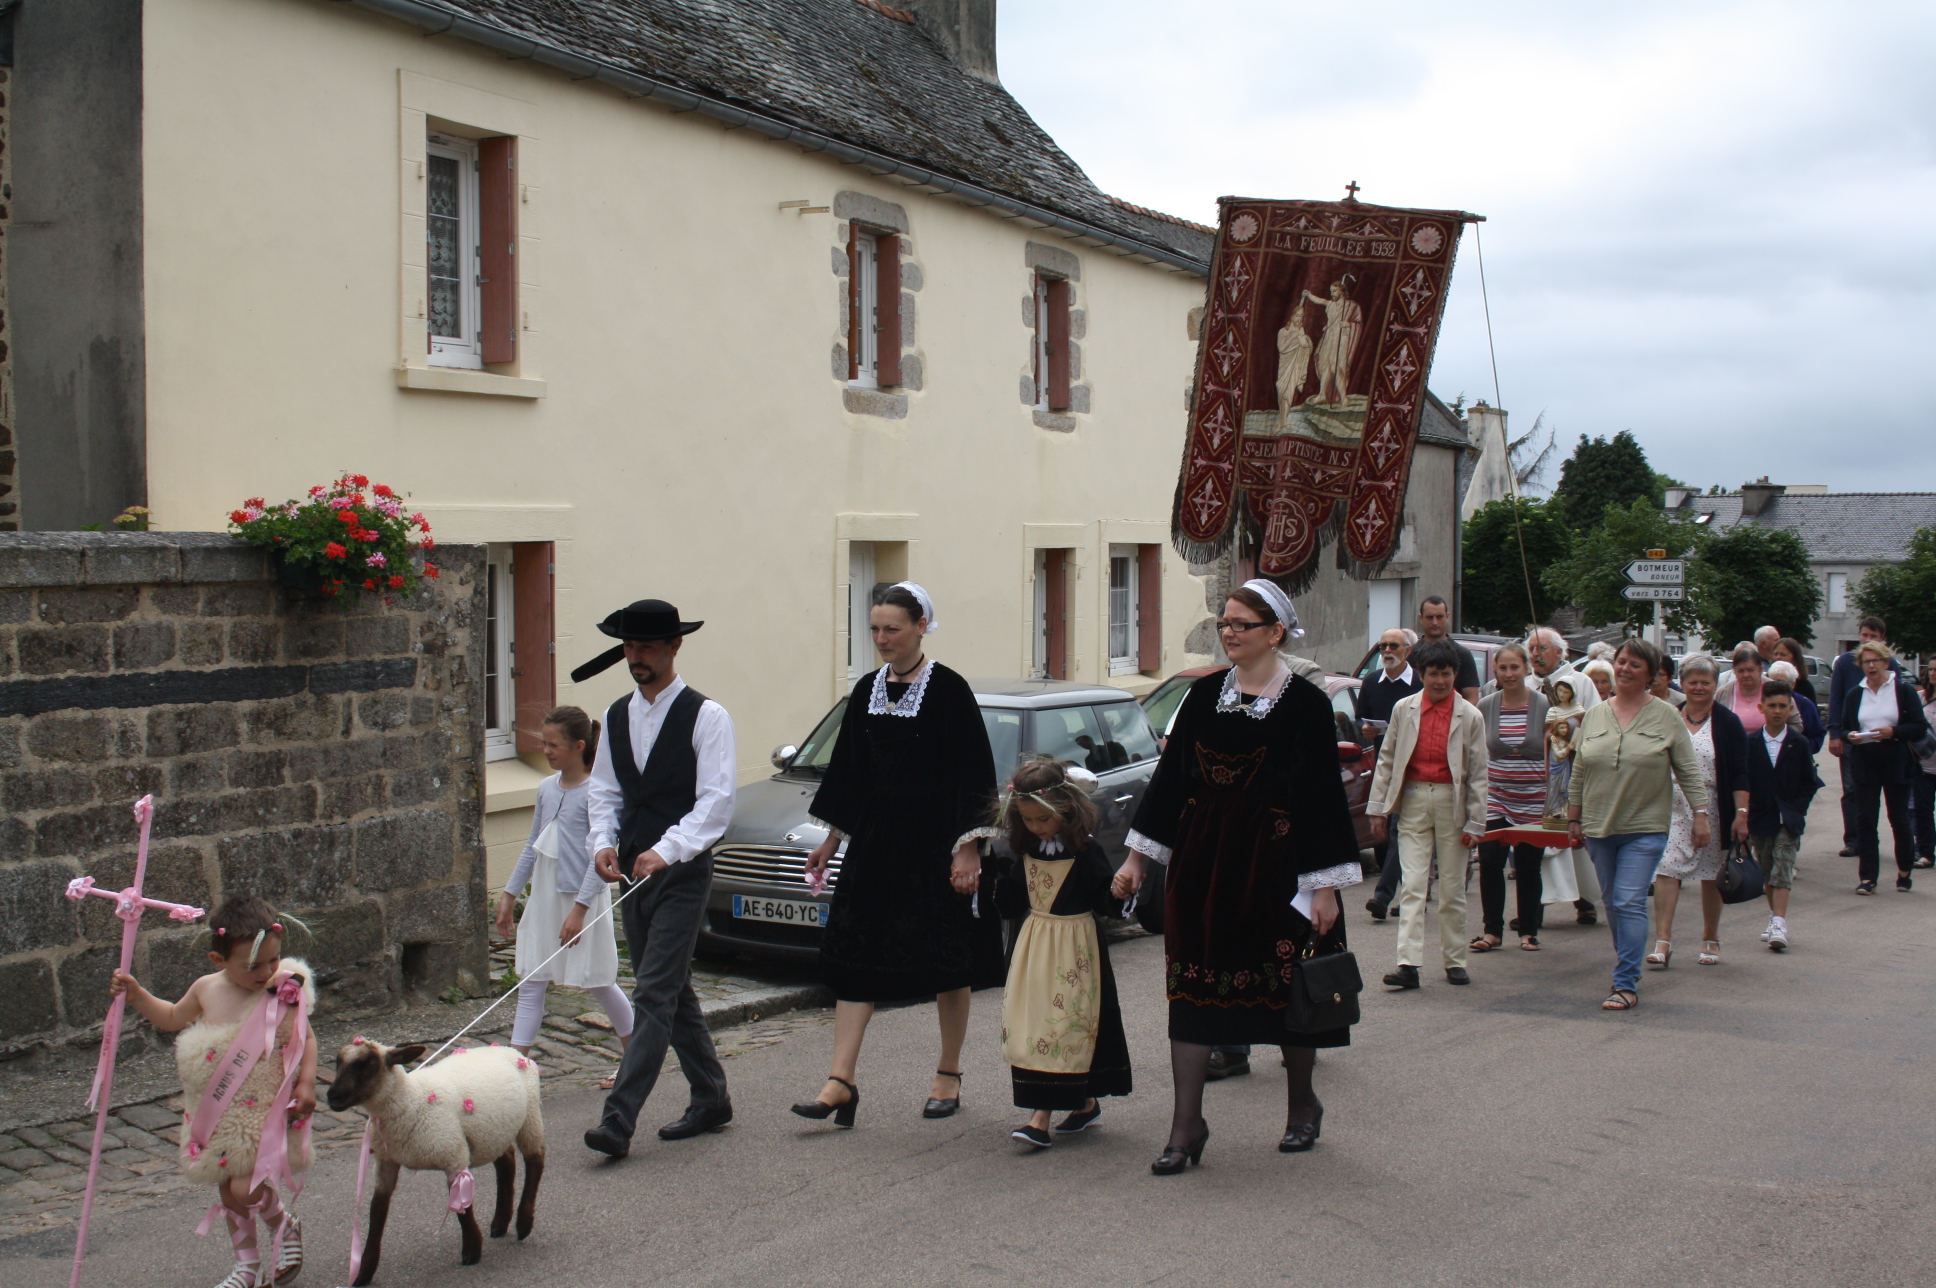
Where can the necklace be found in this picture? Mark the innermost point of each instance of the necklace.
(902, 675)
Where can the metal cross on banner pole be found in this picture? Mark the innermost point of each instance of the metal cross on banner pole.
(129, 905)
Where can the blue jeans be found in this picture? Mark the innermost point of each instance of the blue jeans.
(1625, 865)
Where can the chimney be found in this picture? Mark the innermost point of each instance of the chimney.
(1755, 496)
(965, 30)
(1676, 497)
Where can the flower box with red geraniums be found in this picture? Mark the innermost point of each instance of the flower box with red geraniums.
(345, 539)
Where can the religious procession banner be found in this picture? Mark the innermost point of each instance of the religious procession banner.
(1317, 338)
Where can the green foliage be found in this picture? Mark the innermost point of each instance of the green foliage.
(1748, 577)
(349, 539)
(1661, 483)
(1593, 573)
(1601, 473)
(1494, 593)
(1904, 595)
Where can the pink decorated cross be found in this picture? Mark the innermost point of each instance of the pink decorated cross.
(129, 905)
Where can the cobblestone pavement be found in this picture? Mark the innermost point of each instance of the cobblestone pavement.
(43, 1167)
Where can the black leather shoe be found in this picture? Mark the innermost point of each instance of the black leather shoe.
(698, 1119)
(1377, 909)
(1849, 852)
(1403, 977)
(1173, 1160)
(1078, 1120)
(1032, 1136)
(1299, 1137)
(1902, 882)
(606, 1141)
(1226, 1064)
(944, 1108)
(1457, 975)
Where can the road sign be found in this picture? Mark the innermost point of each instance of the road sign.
(1654, 592)
(1656, 572)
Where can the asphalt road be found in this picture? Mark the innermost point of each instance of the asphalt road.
(1757, 1123)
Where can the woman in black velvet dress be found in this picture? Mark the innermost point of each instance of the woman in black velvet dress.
(911, 775)
(1248, 810)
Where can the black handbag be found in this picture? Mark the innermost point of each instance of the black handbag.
(1740, 877)
(1324, 993)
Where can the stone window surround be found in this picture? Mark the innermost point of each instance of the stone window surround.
(887, 217)
(428, 104)
(1057, 262)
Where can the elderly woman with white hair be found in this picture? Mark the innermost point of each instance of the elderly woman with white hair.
(1721, 750)
(1806, 718)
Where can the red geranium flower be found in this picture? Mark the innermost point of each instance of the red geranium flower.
(346, 516)
(427, 543)
(430, 570)
(383, 489)
(396, 583)
(361, 480)
(256, 503)
(238, 516)
(334, 551)
(369, 583)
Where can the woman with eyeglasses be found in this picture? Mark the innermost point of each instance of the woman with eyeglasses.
(1248, 811)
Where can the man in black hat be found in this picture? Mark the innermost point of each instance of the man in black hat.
(661, 794)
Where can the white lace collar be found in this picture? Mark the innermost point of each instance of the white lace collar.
(910, 703)
(1232, 698)
(1046, 849)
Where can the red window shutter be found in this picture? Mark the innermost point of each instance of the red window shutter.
(1059, 296)
(1055, 607)
(887, 277)
(497, 237)
(534, 682)
(1149, 609)
(853, 301)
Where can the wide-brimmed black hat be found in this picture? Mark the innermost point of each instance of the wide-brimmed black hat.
(644, 619)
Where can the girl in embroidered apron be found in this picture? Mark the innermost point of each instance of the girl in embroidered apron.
(247, 1059)
(567, 894)
(1062, 1030)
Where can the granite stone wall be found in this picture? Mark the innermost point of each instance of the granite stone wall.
(322, 758)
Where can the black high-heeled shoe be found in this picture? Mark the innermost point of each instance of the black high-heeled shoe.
(1299, 1137)
(944, 1108)
(1173, 1159)
(842, 1113)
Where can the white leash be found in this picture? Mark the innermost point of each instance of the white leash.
(636, 886)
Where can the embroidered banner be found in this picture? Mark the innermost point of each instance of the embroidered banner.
(1317, 338)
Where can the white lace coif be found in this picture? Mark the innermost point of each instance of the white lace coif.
(922, 597)
(1280, 603)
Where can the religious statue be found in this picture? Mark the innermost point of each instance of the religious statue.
(1562, 725)
(1344, 322)
(1293, 362)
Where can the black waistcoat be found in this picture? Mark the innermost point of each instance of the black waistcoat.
(665, 791)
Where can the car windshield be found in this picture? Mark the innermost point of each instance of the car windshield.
(818, 749)
(1161, 705)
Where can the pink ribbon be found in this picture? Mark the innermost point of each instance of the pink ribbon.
(356, 1212)
(463, 1188)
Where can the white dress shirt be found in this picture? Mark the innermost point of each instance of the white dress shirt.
(717, 779)
(1878, 706)
(1774, 743)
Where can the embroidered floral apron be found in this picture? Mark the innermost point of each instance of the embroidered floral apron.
(1052, 1007)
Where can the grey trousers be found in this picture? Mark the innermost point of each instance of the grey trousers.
(662, 928)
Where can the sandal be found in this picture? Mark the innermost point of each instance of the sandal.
(1486, 944)
(1621, 999)
(607, 1083)
(1710, 952)
(1529, 943)
(1663, 953)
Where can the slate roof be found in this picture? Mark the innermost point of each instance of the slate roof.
(1838, 527)
(860, 73)
(1440, 425)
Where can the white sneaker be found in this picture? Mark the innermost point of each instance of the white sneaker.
(1778, 938)
(1768, 931)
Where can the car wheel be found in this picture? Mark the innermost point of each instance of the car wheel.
(1149, 900)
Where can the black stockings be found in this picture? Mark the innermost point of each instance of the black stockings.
(1190, 1067)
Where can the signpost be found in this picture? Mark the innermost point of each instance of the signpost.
(1660, 580)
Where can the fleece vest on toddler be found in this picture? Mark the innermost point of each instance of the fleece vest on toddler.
(665, 790)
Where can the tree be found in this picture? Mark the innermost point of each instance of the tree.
(1593, 574)
(1747, 577)
(1494, 595)
(1904, 595)
(1530, 454)
(1602, 473)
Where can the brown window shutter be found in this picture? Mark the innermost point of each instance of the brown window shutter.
(1059, 296)
(534, 675)
(1055, 607)
(1149, 609)
(497, 236)
(853, 301)
(887, 276)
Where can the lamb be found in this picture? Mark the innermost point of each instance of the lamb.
(474, 1106)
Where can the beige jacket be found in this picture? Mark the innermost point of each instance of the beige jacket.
(1465, 753)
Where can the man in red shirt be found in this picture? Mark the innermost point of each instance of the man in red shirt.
(1432, 775)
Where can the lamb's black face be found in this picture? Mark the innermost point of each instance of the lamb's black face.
(360, 1067)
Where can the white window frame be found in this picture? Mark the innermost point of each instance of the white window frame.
(466, 350)
(1041, 342)
(1039, 637)
(1837, 600)
(1129, 661)
(500, 655)
(860, 601)
(867, 298)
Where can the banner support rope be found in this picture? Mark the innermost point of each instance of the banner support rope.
(1505, 445)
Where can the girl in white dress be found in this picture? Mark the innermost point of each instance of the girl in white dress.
(567, 894)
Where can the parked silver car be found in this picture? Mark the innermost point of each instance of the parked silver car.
(760, 904)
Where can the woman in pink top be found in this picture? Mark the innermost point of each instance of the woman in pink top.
(1744, 697)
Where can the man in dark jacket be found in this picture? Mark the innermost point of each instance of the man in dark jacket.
(1781, 784)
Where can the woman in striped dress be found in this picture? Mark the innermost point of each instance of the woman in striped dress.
(1515, 797)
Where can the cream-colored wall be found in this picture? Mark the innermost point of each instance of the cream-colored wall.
(690, 442)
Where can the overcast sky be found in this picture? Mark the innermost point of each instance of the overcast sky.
(1713, 224)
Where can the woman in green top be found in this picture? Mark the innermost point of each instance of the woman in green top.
(1630, 752)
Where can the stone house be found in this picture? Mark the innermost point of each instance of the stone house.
(1846, 533)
